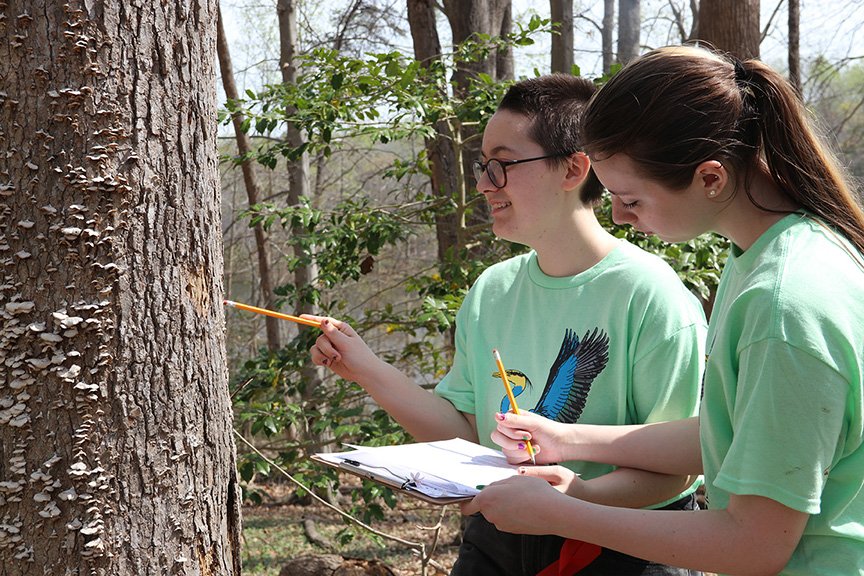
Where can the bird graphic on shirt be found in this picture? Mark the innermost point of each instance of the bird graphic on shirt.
(578, 363)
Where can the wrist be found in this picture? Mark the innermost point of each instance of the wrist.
(377, 374)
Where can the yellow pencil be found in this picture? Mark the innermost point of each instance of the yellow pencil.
(512, 398)
(266, 312)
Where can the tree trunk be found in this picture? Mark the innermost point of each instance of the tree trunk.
(116, 448)
(299, 187)
(562, 37)
(794, 43)
(629, 24)
(466, 18)
(250, 181)
(442, 159)
(731, 25)
(504, 57)
(298, 170)
(607, 33)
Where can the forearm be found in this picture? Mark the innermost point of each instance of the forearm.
(631, 488)
(707, 540)
(665, 447)
(424, 415)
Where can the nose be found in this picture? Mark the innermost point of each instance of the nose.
(484, 184)
(620, 214)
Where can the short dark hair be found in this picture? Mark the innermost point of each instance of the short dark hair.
(555, 103)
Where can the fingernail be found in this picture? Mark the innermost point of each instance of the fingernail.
(499, 416)
(326, 362)
(521, 446)
(480, 486)
(526, 438)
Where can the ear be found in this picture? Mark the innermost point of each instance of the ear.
(578, 167)
(710, 178)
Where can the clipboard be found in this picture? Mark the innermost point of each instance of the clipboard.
(405, 487)
(440, 472)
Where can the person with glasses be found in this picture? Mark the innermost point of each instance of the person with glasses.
(591, 329)
(690, 141)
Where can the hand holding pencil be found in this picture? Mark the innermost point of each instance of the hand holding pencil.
(512, 399)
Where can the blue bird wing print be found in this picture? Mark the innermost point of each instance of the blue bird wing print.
(570, 378)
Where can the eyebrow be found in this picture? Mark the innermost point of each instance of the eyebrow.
(496, 150)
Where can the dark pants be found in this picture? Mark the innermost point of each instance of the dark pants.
(486, 551)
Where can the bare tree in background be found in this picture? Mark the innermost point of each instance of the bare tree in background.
(629, 28)
(116, 446)
(253, 191)
(794, 44)
(679, 20)
(562, 37)
(450, 162)
(607, 32)
(469, 17)
(731, 25)
(299, 187)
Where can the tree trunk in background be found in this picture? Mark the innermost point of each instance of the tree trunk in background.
(442, 158)
(629, 26)
(794, 44)
(250, 181)
(466, 18)
(116, 448)
(679, 20)
(607, 34)
(298, 170)
(298, 174)
(731, 26)
(469, 17)
(562, 38)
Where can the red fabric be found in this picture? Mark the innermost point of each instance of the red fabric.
(575, 555)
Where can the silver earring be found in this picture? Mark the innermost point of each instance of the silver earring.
(712, 193)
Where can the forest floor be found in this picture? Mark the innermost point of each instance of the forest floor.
(280, 530)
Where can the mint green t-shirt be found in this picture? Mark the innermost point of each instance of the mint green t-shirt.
(782, 411)
(621, 343)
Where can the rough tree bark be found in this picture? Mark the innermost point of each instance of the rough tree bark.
(561, 12)
(731, 25)
(116, 447)
(253, 191)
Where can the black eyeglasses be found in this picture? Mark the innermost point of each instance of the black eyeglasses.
(497, 169)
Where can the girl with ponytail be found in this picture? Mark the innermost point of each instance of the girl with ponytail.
(689, 141)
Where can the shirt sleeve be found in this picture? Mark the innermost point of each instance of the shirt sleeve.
(667, 378)
(456, 386)
(789, 415)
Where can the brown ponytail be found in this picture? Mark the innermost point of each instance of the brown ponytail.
(676, 107)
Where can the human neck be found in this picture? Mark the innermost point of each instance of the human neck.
(746, 220)
(582, 245)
